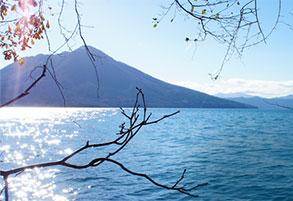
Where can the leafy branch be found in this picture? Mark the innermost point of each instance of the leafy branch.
(47, 67)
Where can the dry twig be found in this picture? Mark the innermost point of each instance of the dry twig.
(136, 121)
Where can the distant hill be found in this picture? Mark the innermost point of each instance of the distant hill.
(117, 85)
(232, 95)
(286, 97)
(263, 103)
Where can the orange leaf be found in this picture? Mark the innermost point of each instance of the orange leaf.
(13, 8)
(21, 62)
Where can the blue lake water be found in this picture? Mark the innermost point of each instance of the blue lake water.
(242, 154)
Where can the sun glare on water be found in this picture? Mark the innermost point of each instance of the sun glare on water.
(31, 135)
(28, 136)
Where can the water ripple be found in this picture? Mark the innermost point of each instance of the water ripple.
(243, 154)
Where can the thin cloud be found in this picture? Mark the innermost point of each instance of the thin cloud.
(263, 88)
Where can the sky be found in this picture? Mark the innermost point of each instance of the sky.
(124, 30)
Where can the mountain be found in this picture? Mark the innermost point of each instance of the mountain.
(286, 97)
(232, 95)
(117, 84)
(266, 103)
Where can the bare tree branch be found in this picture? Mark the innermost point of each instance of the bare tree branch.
(28, 89)
(231, 22)
(278, 105)
(90, 55)
(135, 123)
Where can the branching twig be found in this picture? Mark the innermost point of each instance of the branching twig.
(135, 123)
(89, 53)
(28, 89)
(278, 105)
(232, 22)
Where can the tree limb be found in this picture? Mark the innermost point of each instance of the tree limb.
(135, 123)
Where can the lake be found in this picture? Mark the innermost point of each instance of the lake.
(242, 154)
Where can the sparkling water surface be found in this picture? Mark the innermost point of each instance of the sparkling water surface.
(242, 154)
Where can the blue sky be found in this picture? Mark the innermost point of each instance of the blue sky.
(124, 31)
